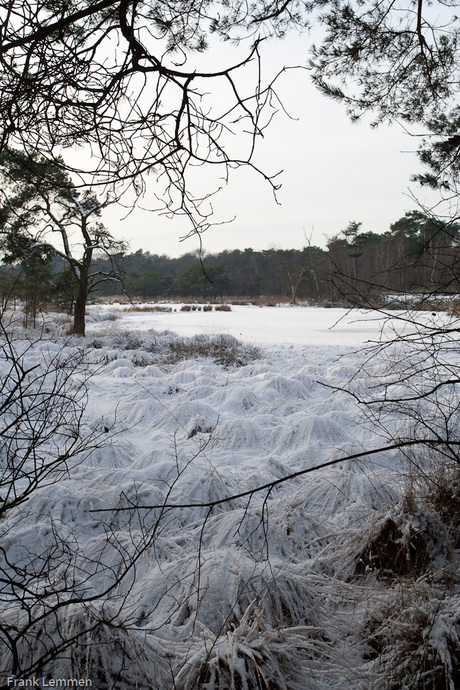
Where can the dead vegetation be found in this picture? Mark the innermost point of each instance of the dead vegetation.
(151, 347)
(412, 638)
(412, 627)
(222, 349)
(147, 308)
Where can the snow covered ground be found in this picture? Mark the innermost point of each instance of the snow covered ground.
(284, 324)
(225, 586)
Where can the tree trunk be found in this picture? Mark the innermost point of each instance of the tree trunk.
(80, 311)
(80, 303)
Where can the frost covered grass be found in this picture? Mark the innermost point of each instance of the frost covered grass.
(144, 348)
(176, 577)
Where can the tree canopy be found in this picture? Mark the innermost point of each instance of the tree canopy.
(43, 213)
(120, 79)
(398, 62)
(123, 81)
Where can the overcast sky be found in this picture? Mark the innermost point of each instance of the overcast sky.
(334, 172)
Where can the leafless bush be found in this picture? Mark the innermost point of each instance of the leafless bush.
(42, 402)
(413, 637)
(436, 491)
(55, 599)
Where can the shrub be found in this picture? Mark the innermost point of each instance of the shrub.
(223, 349)
(413, 638)
(412, 627)
(395, 547)
(167, 348)
(249, 656)
(147, 308)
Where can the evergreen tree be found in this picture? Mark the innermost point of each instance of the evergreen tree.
(42, 211)
(35, 282)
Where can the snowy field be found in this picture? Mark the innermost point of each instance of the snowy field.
(207, 583)
(282, 325)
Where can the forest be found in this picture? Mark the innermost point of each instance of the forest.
(417, 255)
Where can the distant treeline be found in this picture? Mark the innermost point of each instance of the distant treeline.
(417, 254)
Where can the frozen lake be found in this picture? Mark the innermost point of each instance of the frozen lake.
(262, 325)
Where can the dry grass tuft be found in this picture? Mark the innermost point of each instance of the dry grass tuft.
(412, 638)
(166, 348)
(146, 308)
(222, 349)
(393, 549)
(412, 627)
